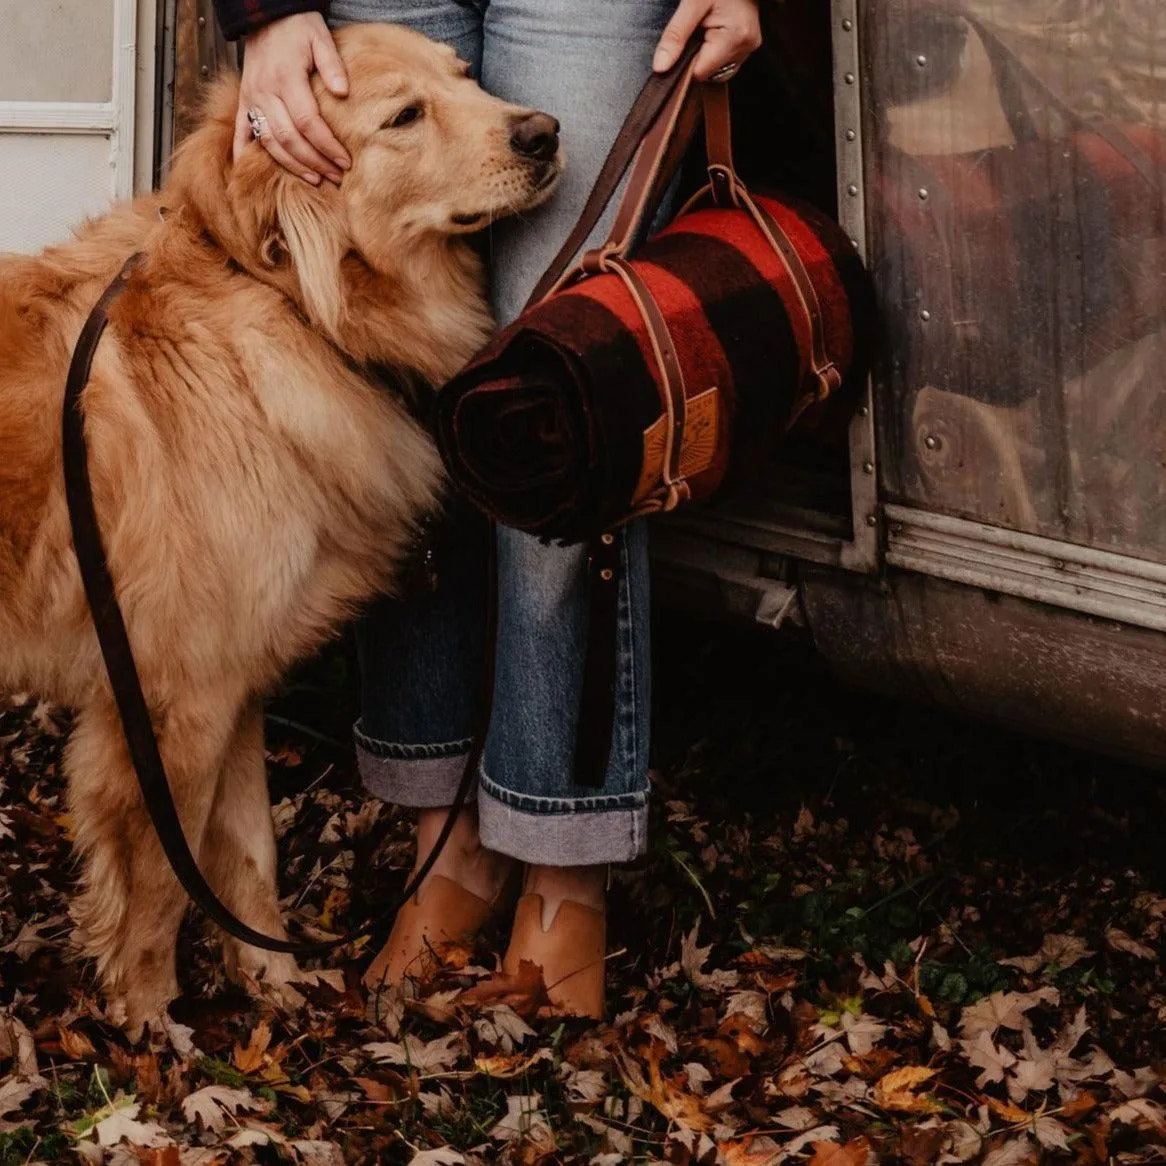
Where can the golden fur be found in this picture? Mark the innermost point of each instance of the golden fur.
(252, 488)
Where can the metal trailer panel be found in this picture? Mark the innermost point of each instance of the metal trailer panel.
(1021, 260)
(1040, 668)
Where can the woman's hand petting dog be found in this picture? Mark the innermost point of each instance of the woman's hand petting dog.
(281, 58)
(277, 71)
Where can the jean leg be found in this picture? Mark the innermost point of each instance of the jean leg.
(421, 658)
(459, 25)
(583, 61)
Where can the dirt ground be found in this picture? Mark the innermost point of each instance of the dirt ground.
(864, 932)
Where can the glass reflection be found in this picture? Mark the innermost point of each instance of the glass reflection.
(1017, 151)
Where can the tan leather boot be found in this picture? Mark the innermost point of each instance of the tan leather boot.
(440, 912)
(570, 954)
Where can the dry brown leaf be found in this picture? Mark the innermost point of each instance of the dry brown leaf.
(1143, 1113)
(661, 1093)
(854, 1153)
(750, 1150)
(524, 991)
(1062, 950)
(895, 1092)
(983, 1053)
(1012, 1114)
(512, 1065)
(75, 1045)
(1003, 1010)
(248, 1059)
(692, 960)
(1117, 940)
(870, 1065)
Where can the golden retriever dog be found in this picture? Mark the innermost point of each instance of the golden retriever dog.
(253, 487)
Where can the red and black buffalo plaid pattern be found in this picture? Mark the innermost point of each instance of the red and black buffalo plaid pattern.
(549, 428)
(239, 17)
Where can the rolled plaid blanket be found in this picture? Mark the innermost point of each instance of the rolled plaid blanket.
(556, 428)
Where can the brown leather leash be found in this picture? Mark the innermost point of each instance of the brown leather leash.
(113, 638)
(126, 684)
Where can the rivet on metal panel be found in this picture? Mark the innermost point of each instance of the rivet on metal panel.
(852, 190)
(924, 193)
(933, 442)
(847, 25)
(849, 78)
(205, 71)
(202, 22)
(868, 467)
(607, 574)
(896, 528)
(872, 520)
(921, 61)
(851, 135)
(864, 411)
(925, 315)
(607, 539)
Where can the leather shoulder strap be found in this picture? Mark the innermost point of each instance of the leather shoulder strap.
(653, 100)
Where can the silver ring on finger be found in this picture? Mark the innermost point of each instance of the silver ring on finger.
(726, 72)
(258, 122)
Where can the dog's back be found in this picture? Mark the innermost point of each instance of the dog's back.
(229, 445)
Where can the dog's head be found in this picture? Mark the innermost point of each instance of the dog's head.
(433, 157)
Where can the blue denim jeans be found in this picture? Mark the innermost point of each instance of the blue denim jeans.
(421, 660)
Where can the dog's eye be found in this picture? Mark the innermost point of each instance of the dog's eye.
(409, 114)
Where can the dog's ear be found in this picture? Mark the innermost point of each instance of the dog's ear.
(308, 231)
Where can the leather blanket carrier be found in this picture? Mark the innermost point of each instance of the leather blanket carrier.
(638, 379)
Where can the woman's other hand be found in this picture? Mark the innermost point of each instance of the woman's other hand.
(278, 63)
(732, 31)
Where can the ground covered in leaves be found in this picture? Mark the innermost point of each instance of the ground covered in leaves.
(864, 932)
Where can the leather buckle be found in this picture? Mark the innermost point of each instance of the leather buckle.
(829, 380)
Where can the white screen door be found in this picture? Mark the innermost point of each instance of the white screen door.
(67, 88)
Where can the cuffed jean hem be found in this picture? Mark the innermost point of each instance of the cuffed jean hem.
(562, 831)
(419, 776)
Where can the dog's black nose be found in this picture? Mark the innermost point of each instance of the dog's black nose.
(535, 135)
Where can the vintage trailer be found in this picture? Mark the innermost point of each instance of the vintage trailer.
(990, 533)
(994, 537)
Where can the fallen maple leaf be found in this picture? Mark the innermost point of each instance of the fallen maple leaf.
(15, 1091)
(441, 1157)
(1019, 1152)
(524, 992)
(425, 1056)
(122, 1124)
(313, 1152)
(1003, 1010)
(1117, 940)
(693, 959)
(248, 1059)
(512, 1065)
(1143, 1113)
(1062, 950)
(213, 1105)
(524, 1119)
(674, 1103)
(751, 1150)
(854, 1153)
(895, 1092)
(983, 1053)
